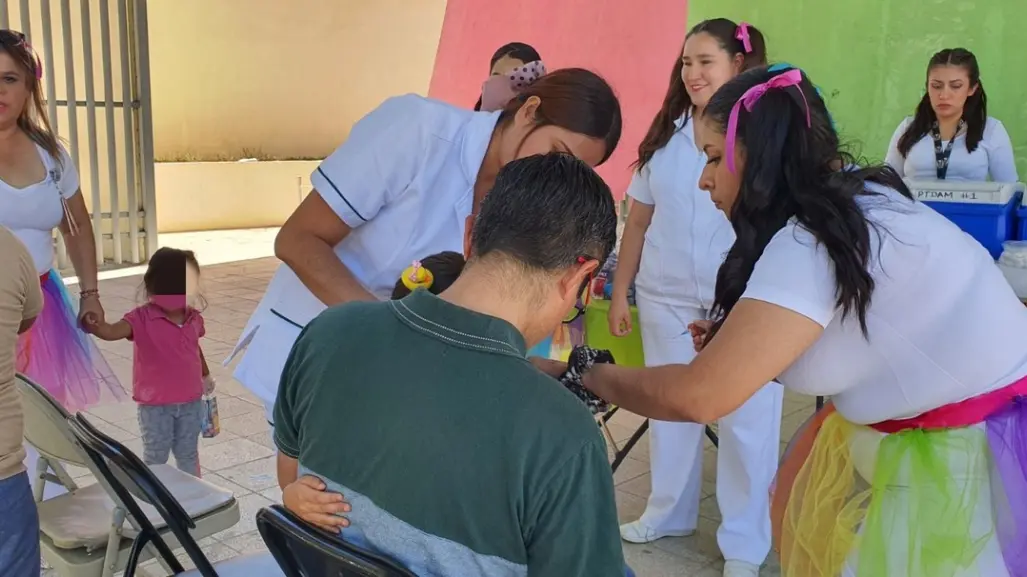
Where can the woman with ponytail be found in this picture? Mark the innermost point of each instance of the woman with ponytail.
(674, 242)
(839, 283)
(951, 135)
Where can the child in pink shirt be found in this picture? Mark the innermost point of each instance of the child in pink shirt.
(169, 373)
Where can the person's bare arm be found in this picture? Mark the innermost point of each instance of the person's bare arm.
(203, 362)
(757, 342)
(118, 331)
(306, 244)
(82, 251)
(639, 217)
(287, 470)
(81, 245)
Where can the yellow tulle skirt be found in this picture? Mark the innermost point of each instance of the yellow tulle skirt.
(851, 501)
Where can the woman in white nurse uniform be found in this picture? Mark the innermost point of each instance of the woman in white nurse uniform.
(402, 187)
(840, 284)
(681, 238)
(951, 136)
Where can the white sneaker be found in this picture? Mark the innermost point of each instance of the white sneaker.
(637, 532)
(735, 568)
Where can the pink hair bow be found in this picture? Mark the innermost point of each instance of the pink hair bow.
(742, 33)
(791, 78)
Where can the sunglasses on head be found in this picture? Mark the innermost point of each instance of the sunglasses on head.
(583, 293)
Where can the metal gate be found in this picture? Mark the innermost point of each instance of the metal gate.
(96, 76)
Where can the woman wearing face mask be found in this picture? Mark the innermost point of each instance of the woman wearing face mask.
(840, 284)
(675, 240)
(515, 57)
(951, 135)
(401, 187)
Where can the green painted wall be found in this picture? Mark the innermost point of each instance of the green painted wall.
(869, 57)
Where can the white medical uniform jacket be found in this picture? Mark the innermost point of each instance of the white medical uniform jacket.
(993, 156)
(404, 183)
(688, 236)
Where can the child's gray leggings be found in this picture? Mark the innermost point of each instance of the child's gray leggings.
(171, 429)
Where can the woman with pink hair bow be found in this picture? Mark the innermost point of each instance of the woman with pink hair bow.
(674, 242)
(839, 283)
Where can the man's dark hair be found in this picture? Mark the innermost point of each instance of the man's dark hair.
(546, 212)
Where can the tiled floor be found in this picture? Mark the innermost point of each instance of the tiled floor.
(241, 458)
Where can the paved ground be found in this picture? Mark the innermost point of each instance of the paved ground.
(240, 458)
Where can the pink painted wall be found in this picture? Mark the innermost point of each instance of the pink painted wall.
(632, 48)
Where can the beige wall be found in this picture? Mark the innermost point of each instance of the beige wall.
(230, 79)
(280, 78)
(223, 195)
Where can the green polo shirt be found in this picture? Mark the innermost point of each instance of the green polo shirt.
(458, 456)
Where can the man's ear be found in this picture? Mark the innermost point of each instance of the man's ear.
(570, 284)
(468, 230)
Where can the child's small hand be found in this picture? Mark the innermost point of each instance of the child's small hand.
(209, 383)
(307, 498)
(90, 324)
(698, 329)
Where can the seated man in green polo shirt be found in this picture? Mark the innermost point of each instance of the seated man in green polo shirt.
(457, 456)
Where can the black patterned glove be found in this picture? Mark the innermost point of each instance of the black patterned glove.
(581, 360)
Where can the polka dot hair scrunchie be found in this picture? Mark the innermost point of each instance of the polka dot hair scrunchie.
(522, 76)
(581, 360)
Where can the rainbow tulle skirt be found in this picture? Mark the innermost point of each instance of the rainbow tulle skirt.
(951, 501)
(58, 355)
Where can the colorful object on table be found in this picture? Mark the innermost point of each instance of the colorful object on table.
(416, 277)
(580, 361)
(211, 420)
(543, 349)
(929, 483)
(792, 78)
(61, 357)
(627, 349)
(602, 286)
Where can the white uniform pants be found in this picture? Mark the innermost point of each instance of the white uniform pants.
(746, 460)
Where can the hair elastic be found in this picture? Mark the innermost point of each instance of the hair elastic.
(742, 33)
(416, 276)
(791, 78)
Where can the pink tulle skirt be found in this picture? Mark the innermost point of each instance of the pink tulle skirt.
(58, 355)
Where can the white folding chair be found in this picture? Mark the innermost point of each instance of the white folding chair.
(84, 533)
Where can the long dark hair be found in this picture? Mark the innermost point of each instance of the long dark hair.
(975, 111)
(795, 171)
(677, 102)
(516, 50)
(572, 98)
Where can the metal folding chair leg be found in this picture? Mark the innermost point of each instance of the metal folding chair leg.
(620, 455)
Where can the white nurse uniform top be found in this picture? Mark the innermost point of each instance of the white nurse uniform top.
(993, 156)
(404, 183)
(688, 237)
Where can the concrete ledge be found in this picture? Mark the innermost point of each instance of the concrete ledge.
(194, 196)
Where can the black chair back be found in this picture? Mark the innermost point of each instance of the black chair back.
(129, 478)
(302, 550)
